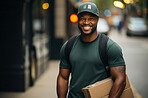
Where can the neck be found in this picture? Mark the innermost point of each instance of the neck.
(89, 38)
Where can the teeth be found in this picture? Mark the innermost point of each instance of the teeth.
(86, 28)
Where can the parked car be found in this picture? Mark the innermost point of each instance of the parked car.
(136, 26)
(103, 26)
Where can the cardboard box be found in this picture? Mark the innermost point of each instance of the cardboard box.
(102, 88)
(127, 93)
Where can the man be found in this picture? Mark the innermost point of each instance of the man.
(85, 65)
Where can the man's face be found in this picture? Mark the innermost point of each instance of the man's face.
(87, 23)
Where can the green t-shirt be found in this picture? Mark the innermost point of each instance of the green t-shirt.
(87, 67)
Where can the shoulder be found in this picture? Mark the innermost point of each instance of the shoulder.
(70, 42)
(64, 45)
(113, 45)
(113, 49)
(114, 53)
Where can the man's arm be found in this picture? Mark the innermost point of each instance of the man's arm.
(62, 83)
(118, 75)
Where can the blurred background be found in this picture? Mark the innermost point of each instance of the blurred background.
(33, 31)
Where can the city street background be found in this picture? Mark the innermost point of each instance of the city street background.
(33, 32)
(135, 51)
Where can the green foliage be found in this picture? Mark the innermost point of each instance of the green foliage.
(103, 5)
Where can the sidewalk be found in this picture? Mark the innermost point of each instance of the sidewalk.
(45, 86)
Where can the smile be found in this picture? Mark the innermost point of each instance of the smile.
(86, 27)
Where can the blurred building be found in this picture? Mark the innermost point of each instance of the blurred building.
(32, 33)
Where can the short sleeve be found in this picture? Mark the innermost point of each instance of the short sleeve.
(63, 62)
(114, 53)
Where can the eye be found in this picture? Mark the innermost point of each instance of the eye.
(91, 19)
(82, 19)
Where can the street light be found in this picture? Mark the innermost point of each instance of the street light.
(128, 1)
(119, 4)
(45, 6)
(73, 18)
(85, 0)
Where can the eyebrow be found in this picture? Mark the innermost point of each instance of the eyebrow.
(92, 15)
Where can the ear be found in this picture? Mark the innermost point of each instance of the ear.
(97, 19)
(78, 18)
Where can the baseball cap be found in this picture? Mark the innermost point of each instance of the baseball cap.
(88, 7)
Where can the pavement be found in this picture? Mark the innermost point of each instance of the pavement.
(45, 86)
(135, 52)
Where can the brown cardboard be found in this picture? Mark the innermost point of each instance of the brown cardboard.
(127, 93)
(102, 88)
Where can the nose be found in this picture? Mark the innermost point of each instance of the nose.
(86, 21)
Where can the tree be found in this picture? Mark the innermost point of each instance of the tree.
(103, 5)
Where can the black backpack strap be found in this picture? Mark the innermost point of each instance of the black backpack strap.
(102, 50)
(69, 47)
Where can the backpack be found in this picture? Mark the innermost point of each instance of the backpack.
(102, 50)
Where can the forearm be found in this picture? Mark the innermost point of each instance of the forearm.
(62, 87)
(117, 88)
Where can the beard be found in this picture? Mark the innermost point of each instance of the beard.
(90, 33)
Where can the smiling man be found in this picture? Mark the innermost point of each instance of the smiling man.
(84, 63)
